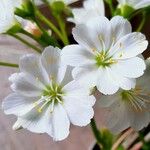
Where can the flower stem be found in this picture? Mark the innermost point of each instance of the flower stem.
(134, 14)
(140, 27)
(51, 25)
(63, 29)
(9, 64)
(110, 3)
(96, 132)
(26, 43)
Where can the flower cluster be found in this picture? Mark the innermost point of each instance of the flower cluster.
(55, 88)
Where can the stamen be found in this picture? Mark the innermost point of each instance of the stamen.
(48, 99)
(52, 106)
(102, 42)
(59, 100)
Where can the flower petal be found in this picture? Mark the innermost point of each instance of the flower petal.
(79, 106)
(25, 84)
(34, 121)
(117, 119)
(120, 27)
(73, 89)
(75, 55)
(101, 32)
(60, 123)
(32, 65)
(129, 46)
(50, 60)
(123, 82)
(80, 34)
(105, 82)
(138, 120)
(142, 4)
(17, 104)
(132, 68)
(86, 76)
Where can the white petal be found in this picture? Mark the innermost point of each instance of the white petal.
(25, 84)
(117, 118)
(95, 5)
(105, 82)
(51, 61)
(60, 123)
(84, 37)
(107, 101)
(37, 122)
(142, 4)
(131, 68)
(86, 76)
(138, 120)
(67, 77)
(91, 8)
(129, 46)
(74, 88)
(7, 18)
(82, 16)
(76, 55)
(79, 109)
(100, 30)
(120, 27)
(31, 64)
(17, 104)
(123, 82)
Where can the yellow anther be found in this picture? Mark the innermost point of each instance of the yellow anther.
(39, 110)
(112, 61)
(94, 49)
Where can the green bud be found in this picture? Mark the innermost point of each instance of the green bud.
(26, 11)
(107, 139)
(126, 11)
(58, 7)
(15, 28)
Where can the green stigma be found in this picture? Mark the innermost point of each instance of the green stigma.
(103, 60)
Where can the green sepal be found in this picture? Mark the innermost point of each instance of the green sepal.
(107, 139)
(26, 11)
(126, 11)
(14, 29)
(58, 7)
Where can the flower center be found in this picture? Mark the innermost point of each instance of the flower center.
(137, 98)
(52, 95)
(103, 60)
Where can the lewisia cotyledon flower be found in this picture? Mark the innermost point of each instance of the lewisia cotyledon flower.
(45, 100)
(7, 17)
(129, 108)
(91, 8)
(107, 54)
(136, 4)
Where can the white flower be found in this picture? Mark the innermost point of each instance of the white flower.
(136, 4)
(7, 17)
(91, 8)
(44, 99)
(107, 54)
(129, 108)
